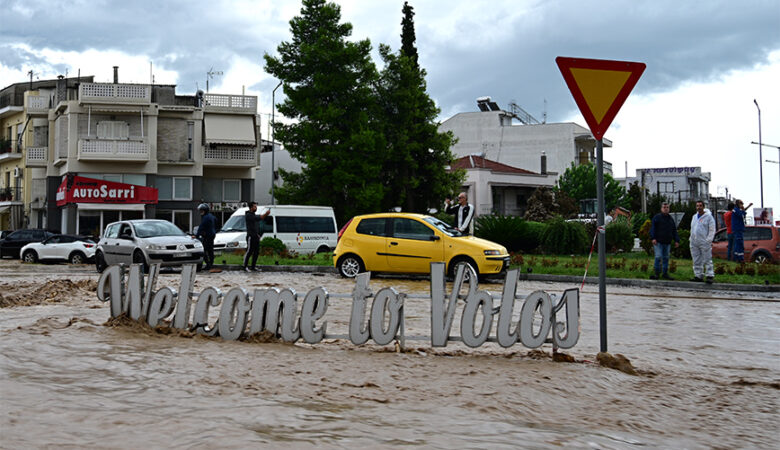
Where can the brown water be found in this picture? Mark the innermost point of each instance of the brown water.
(709, 376)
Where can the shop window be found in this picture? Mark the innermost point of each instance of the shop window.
(182, 188)
(231, 190)
(164, 188)
(89, 223)
(132, 215)
(182, 220)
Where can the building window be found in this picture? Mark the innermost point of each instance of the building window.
(665, 187)
(182, 188)
(190, 136)
(164, 188)
(231, 190)
(112, 129)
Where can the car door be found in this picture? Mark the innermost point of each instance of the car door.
(719, 244)
(125, 243)
(48, 248)
(412, 246)
(15, 241)
(370, 242)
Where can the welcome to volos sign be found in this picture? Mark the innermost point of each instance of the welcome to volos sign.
(277, 310)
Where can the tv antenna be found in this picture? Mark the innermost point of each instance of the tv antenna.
(210, 74)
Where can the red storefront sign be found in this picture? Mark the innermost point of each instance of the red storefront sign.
(76, 189)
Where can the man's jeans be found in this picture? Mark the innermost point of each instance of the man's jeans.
(730, 256)
(661, 254)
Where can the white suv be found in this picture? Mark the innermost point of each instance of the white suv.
(146, 241)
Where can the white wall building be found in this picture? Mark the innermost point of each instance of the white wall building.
(676, 184)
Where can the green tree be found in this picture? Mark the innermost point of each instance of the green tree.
(579, 181)
(634, 197)
(329, 82)
(414, 175)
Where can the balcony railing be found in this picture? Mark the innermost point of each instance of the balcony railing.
(11, 194)
(230, 156)
(37, 156)
(113, 150)
(230, 103)
(134, 94)
(37, 104)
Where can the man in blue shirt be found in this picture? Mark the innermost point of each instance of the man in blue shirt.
(206, 232)
(663, 231)
(737, 229)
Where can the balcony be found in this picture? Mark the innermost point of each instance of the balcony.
(113, 150)
(115, 94)
(37, 104)
(9, 154)
(230, 103)
(10, 195)
(224, 156)
(37, 156)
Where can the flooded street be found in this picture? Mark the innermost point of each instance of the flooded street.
(708, 363)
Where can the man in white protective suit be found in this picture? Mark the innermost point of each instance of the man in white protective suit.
(702, 232)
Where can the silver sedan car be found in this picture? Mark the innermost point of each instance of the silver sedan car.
(146, 241)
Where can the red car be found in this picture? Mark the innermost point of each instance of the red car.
(762, 244)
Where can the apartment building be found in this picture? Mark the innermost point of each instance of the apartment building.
(103, 152)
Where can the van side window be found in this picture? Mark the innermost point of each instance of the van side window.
(373, 227)
(300, 224)
(268, 224)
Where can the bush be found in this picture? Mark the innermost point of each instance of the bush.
(505, 230)
(562, 237)
(637, 220)
(684, 250)
(644, 237)
(619, 236)
(532, 235)
(272, 245)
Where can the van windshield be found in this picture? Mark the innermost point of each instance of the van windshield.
(235, 223)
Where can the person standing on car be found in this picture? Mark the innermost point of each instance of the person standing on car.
(738, 228)
(702, 232)
(463, 211)
(663, 231)
(206, 232)
(253, 234)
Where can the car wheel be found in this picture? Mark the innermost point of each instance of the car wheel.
(350, 266)
(762, 258)
(30, 256)
(138, 258)
(100, 262)
(77, 258)
(471, 268)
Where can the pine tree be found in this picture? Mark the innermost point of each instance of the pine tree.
(329, 86)
(415, 173)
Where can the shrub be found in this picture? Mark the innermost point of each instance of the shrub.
(508, 231)
(562, 237)
(644, 237)
(637, 220)
(270, 245)
(619, 236)
(532, 237)
(684, 250)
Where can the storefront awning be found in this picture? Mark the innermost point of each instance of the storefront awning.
(110, 207)
(229, 129)
(76, 189)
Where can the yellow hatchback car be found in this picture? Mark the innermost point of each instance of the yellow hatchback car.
(409, 243)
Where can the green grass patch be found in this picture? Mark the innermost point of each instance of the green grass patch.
(287, 258)
(640, 266)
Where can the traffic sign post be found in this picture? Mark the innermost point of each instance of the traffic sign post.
(600, 87)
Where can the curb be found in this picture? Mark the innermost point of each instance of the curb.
(628, 282)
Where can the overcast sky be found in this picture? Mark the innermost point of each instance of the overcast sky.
(706, 62)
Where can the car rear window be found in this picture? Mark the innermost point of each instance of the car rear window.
(373, 227)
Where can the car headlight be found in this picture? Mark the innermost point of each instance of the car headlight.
(231, 244)
(198, 244)
(492, 252)
(155, 247)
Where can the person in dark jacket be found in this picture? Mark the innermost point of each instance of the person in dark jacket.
(663, 231)
(206, 232)
(253, 234)
(738, 228)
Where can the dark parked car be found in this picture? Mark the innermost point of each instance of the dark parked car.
(14, 242)
(762, 244)
(4, 233)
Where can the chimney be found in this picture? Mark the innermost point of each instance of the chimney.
(116, 74)
(544, 164)
(61, 94)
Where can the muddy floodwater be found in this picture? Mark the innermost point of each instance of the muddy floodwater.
(708, 375)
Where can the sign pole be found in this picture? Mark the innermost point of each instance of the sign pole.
(602, 243)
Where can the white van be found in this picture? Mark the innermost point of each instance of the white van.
(304, 229)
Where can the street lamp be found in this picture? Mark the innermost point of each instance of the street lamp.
(769, 145)
(760, 157)
(273, 145)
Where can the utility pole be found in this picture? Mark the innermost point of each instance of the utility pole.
(760, 156)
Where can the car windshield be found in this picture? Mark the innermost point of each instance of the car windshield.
(442, 226)
(235, 223)
(156, 228)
